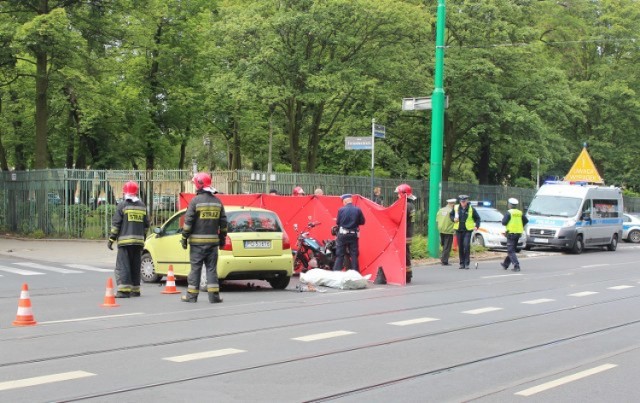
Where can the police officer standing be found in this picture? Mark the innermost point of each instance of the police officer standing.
(465, 219)
(445, 227)
(514, 221)
(129, 225)
(349, 220)
(405, 190)
(205, 229)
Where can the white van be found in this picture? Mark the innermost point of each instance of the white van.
(574, 216)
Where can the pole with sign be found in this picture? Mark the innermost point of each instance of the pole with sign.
(378, 131)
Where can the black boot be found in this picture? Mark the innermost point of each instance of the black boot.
(190, 297)
(516, 268)
(122, 294)
(214, 297)
(504, 266)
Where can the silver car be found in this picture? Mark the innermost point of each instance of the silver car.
(491, 233)
(631, 228)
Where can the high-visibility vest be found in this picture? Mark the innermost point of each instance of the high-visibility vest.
(469, 223)
(514, 226)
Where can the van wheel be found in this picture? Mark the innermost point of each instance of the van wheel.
(614, 243)
(578, 246)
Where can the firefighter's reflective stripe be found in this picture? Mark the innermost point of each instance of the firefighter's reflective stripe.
(204, 239)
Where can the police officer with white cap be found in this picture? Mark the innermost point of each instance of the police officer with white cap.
(514, 221)
(465, 219)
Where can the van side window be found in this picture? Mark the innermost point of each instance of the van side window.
(606, 208)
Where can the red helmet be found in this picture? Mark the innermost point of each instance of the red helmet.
(298, 191)
(130, 188)
(202, 180)
(404, 188)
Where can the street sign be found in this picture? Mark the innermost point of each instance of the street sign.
(357, 143)
(420, 104)
(379, 131)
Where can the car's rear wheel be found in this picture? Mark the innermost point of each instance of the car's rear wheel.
(148, 270)
(478, 240)
(634, 236)
(614, 243)
(279, 283)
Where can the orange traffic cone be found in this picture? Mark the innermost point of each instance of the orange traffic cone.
(170, 286)
(24, 317)
(109, 296)
(455, 242)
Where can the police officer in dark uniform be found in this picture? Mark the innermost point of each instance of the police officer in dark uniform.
(129, 225)
(349, 220)
(404, 190)
(514, 221)
(465, 219)
(205, 229)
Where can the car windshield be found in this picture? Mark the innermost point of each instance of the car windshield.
(490, 215)
(253, 221)
(555, 206)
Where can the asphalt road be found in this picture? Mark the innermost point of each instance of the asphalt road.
(564, 329)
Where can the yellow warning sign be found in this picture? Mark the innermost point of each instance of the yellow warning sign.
(584, 170)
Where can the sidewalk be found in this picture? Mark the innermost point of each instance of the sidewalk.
(59, 251)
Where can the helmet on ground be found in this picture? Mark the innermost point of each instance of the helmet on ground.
(513, 201)
(130, 188)
(334, 230)
(202, 180)
(298, 191)
(404, 188)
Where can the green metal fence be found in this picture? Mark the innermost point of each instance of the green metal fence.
(70, 203)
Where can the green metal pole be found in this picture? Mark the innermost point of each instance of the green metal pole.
(437, 135)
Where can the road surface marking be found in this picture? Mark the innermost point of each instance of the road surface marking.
(412, 321)
(321, 336)
(204, 354)
(482, 310)
(621, 287)
(49, 268)
(595, 265)
(91, 318)
(40, 380)
(20, 271)
(538, 301)
(89, 268)
(583, 294)
(566, 379)
(504, 275)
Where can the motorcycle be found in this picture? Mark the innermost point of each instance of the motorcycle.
(311, 253)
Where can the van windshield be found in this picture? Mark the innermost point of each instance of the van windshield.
(554, 206)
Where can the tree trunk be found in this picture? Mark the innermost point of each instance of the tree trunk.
(314, 138)
(482, 166)
(3, 153)
(293, 115)
(449, 145)
(42, 110)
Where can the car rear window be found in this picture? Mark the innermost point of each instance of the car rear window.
(253, 221)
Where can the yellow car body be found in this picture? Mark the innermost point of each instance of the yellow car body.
(257, 248)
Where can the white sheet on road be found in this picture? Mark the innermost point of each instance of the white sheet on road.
(344, 280)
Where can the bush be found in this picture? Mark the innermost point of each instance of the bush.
(78, 214)
(419, 248)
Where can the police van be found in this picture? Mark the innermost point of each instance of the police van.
(573, 216)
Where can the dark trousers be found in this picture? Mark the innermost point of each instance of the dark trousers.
(128, 268)
(446, 241)
(344, 242)
(512, 257)
(207, 254)
(464, 247)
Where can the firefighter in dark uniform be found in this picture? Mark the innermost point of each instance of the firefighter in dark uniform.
(205, 229)
(514, 221)
(465, 219)
(402, 191)
(349, 220)
(128, 228)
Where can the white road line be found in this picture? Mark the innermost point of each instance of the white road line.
(204, 354)
(40, 380)
(91, 318)
(538, 301)
(583, 294)
(621, 287)
(89, 268)
(412, 321)
(20, 271)
(504, 275)
(594, 265)
(482, 310)
(564, 380)
(321, 336)
(48, 268)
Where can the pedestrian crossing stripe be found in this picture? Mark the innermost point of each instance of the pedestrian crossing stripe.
(89, 268)
(21, 272)
(81, 269)
(48, 268)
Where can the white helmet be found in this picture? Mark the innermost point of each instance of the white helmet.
(513, 201)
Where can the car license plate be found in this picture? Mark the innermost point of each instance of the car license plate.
(257, 244)
(540, 240)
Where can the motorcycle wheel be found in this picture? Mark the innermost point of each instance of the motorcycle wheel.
(300, 263)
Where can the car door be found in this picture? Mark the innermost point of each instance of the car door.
(168, 250)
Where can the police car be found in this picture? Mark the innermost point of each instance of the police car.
(631, 228)
(491, 233)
